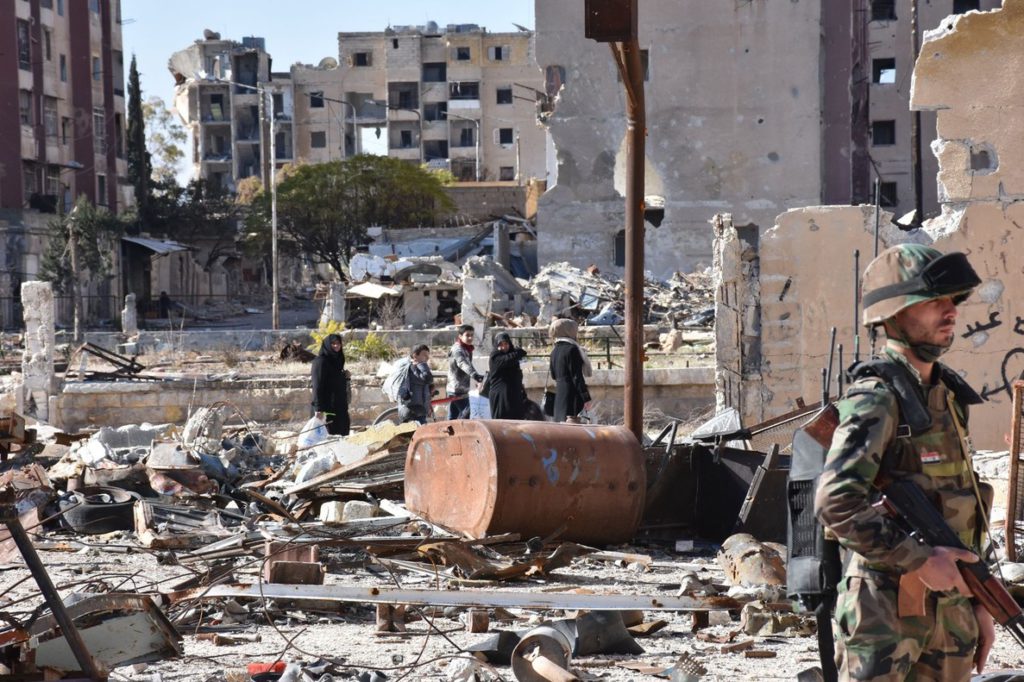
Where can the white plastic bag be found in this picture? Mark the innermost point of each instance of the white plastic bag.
(313, 432)
(479, 406)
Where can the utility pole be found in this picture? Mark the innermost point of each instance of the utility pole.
(915, 121)
(76, 284)
(615, 22)
(275, 308)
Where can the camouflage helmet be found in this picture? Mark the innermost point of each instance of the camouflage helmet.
(906, 274)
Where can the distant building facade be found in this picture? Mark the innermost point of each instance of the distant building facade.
(752, 109)
(62, 122)
(223, 89)
(459, 98)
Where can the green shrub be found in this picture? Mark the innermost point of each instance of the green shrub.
(373, 347)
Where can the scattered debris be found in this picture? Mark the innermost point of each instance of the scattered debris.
(685, 300)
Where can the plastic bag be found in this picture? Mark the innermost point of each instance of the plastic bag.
(313, 432)
(479, 406)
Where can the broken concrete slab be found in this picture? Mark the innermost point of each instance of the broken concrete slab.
(118, 629)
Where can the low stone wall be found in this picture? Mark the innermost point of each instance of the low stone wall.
(267, 339)
(679, 392)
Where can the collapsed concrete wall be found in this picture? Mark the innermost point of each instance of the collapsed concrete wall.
(37, 360)
(969, 73)
(803, 283)
(779, 292)
(733, 119)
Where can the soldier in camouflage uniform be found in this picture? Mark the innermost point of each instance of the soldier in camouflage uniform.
(903, 611)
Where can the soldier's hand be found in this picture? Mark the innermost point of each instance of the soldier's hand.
(940, 573)
(986, 636)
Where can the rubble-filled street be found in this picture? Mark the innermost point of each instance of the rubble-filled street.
(206, 550)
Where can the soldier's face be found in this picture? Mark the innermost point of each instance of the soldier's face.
(932, 322)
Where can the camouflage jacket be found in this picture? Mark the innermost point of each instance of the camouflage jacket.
(871, 443)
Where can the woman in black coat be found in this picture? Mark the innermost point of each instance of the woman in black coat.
(330, 386)
(569, 368)
(506, 394)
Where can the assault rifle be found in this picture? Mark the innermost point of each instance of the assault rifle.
(910, 507)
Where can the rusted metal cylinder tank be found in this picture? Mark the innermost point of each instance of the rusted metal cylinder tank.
(585, 483)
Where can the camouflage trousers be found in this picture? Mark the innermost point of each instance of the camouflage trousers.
(872, 643)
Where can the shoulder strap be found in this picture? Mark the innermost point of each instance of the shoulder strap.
(913, 411)
(964, 394)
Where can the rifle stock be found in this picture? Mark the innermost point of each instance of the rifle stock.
(909, 505)
(822, 425)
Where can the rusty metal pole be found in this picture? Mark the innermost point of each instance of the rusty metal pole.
(636, 131)
(616, 22)
(38, 570)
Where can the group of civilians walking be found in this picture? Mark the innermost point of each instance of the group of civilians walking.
(568, 369)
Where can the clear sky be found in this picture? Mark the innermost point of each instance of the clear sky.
(295, 30)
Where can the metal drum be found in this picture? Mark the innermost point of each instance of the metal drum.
(576, 482)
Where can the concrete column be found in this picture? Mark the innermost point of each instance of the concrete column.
(477, 298)
(334, 307)
(37, 360)
(130, 316)
(502, 247)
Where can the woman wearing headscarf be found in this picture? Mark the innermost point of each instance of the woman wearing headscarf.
(330, 386)
(569, 368)
(506, 394)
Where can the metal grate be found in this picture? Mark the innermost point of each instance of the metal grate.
(779, 431)
(804, 526)
(1015, 484)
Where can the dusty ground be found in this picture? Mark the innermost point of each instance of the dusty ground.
(347, 634)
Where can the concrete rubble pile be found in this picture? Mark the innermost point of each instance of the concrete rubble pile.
(175, 546)
(685, 300)
(235, 529)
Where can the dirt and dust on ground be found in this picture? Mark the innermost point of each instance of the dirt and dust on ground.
(220, 550)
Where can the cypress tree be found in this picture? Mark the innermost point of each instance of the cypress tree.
(140, 169)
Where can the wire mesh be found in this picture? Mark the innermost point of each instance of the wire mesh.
(779, 431)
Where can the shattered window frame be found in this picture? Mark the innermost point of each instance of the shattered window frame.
(434, 72)
(24, 46)
(883, 133)
(464, 90)
(28, 179)
(883, 71)
(883, 10)
(316, 99)
(619, 249)
(888, 194)
(362, 58)
(463, 53)
(25, 107)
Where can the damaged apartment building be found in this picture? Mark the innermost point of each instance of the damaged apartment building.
(752, 108)
(63, 125)
(457, 97)
(778, 292)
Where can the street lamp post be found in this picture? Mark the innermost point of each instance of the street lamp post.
(475, 122)
(267, 97)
